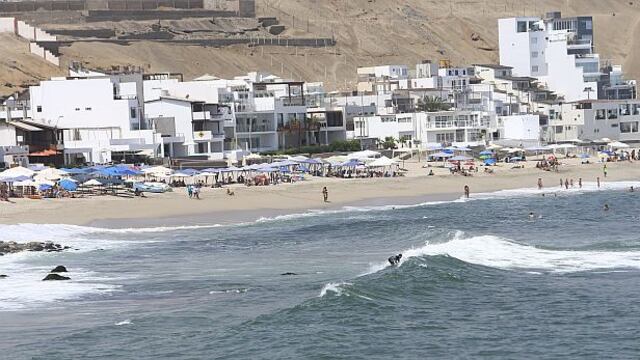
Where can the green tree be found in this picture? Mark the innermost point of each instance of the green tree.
(389, 143)
(432, 103)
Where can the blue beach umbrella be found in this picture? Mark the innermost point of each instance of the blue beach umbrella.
(68, 185)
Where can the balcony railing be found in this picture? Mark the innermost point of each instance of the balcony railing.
(207, 136)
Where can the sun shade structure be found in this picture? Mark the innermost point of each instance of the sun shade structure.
(17, 171)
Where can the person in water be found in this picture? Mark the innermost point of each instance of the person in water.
(539, 183)
(606, 207)
(395, 259)
(466, 191)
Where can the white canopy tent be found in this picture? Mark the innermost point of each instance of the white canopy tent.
(382, 162)
(16, 172)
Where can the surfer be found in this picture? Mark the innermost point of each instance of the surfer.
(395, 259)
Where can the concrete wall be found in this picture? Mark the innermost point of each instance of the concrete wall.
(7, 24)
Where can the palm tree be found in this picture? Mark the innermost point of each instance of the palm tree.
(432, 103)
(389, 143)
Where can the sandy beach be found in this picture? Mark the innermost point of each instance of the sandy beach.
(252, 203)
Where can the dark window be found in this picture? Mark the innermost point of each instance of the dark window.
(134, 113)
(39, 109)
(522, 26)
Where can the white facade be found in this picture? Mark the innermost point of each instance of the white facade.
(534, 49)
(95, 118)
(520, 127)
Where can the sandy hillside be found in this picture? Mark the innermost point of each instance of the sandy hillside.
(376, 32)
(17, 65)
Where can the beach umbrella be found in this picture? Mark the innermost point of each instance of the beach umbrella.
(157, 171)
(180, 175)
(365, 154)
(618, 145)
(303, 168)
(382, 162)
(75, 171)
(17, 171)
(189, 171)
(14, 179)
(486, 152)
(352, 163)
(68, 184)
(441, 155)
(490, 161)
(460, 158)
(92, 182)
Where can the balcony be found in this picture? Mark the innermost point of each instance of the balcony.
(203, 136)
(14, 150)
(201, 115)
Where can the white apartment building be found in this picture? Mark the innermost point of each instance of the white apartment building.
(93, 119)
(597, 119)
(536, 48)
(381, 79)
(461, 128)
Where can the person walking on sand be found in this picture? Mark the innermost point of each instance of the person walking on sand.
(539, 183)
(325, 194)
(598, 181)
(566, 184)
(580, 183)
(604, 170)
(561, 183)
(190, 191)
(466, 191)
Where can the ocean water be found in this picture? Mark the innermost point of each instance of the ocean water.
(478, 279)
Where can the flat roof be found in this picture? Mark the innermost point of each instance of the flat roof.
(494, 66)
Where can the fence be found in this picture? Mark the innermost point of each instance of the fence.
(32, 34)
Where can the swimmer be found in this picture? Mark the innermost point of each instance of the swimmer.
(531, 215)
(606, 207)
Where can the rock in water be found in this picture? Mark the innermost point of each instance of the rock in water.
(289, 274)
(59, 269)
(55, 277)
(2, 276)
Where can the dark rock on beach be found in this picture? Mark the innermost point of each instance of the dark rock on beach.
(59, 269)
(55, 277)
(12, 247)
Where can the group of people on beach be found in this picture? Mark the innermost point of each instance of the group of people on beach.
(193, 191)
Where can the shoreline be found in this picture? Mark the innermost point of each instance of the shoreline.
(251, 204)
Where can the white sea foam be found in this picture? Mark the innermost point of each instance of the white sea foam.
(124, 322)
(500, 253)
(229, 291)
(336, 288)
(24, 288)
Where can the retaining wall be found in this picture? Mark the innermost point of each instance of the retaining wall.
(8, 24)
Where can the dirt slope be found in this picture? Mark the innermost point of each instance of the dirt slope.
(18, 66)
(376, 32)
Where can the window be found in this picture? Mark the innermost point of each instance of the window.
(588, 25)
(522, 26)
(77, 109)
(39, 108)
(87, 109)
(134, 113)
(76, 135)
(534, 54)
(534, 68)
(614, 125)
(612, 113)
(559, 129)
(600, 114)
